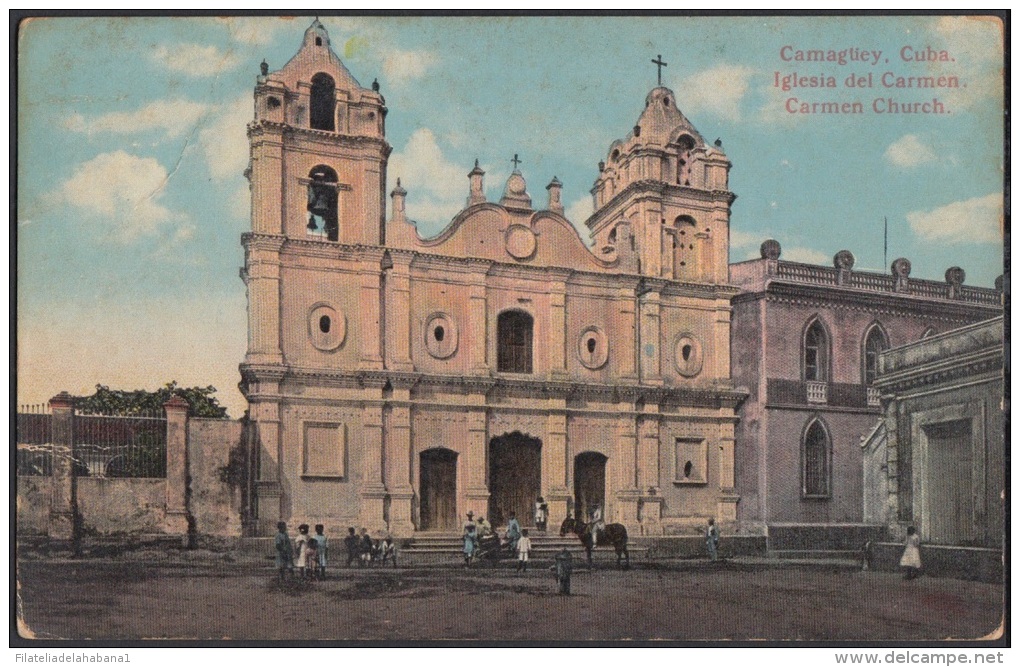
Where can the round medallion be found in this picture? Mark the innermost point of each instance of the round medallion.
(440, 335)
(520, 241)
(593, 348)
(687, 355)
(327, 327)
(516, 185)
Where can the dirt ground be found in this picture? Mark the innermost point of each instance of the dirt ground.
(111, 599)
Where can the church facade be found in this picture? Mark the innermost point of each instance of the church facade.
(397, 382)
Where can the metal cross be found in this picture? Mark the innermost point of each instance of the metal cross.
(658, 61)
(516, 161)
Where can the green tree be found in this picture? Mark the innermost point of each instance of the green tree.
(201, 401)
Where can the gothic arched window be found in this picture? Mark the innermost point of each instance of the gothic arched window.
(323, 218)
(874, 343)
(816, 353)
(323, 103)
(513, 342)
(815, 457)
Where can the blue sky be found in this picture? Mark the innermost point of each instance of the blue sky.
(131, 140)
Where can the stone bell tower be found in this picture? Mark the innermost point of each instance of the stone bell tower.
(665, 190)
(313, 267)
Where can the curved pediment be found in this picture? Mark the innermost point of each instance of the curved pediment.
(492, 232)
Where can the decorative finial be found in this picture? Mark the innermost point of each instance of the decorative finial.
(264, 67)
(516, 161)
(718, 142)
(659, 62)
(476, 163)
(375, 85)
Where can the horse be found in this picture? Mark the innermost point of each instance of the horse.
(614, 534)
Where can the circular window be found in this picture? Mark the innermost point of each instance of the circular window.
(327, 327)
(593, 348)
(440, 335)
(688, 355)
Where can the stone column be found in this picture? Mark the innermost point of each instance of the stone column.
(370, 315)
(398, 314)
(373, 491)
(398, 464)
(726, 510)
(556, 463)
(476, 492)
(650, 353)
(477, 325)
(63, 498)
(626, 466)
(176, 466)
(557, 329)
(628, 335)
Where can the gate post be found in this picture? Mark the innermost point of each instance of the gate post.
(176, 522)
(63, 498)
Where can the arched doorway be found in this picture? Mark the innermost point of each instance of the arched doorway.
(515, 477)
(438, 490)
(589, 484)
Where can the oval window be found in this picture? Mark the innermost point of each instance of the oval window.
(440, 334)
(324, 324)
(592, 348)
(327, 327)
(688, 354)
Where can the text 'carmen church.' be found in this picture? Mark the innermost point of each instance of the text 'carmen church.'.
(397, 382)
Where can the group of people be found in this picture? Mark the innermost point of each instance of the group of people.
(308, 553)
(363, 550)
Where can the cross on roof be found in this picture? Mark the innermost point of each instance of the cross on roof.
(659, 62)
(516, 161)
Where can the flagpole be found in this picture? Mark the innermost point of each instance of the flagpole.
(885, 251)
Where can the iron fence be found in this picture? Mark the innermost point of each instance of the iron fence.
(104, 445)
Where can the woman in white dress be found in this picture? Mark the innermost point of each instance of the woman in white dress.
(911, 554)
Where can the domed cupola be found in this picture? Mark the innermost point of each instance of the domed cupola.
(662, 122)
(316, 35)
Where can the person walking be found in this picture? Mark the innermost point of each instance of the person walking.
(321, 546)
(513, 531)
(523, 551)
(351, 543)
(563, 566)
(470, 538)
(712, 540)
(284, 551)
(911, 559)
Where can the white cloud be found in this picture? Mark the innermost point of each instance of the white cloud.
(739, 239)
(806, 255)
(260, 31)
(122, 192)
(579, 211)
(399, 67)
(976, 44)
(437, 188)
(977, 220)
(718, 90)
(172, 117)
(224, 141)
(195, 59)
(909, 151)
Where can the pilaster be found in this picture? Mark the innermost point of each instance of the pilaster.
(476, 497)
(398, 464)
(557, 329)
(373, 491)
(650, 354)
(63, 500)
(370, 315)
(556, 463)
(398, 315)
(176, 522)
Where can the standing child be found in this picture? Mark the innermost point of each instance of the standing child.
(311, 558)
(367, 548)
(284, 551)
(351, 544)
(301, 545)
(388, 550)
(712, 540)
(523, 550)
(563, 567)
(911, 554)
(320, 541)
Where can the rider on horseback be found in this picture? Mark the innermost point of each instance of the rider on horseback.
(596, 525)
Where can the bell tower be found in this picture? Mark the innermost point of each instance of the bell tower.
(313, 269)
(666, 191)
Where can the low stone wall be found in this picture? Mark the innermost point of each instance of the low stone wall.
(690, 546)
(971, 563)
(33, 505)
(125, 505)
(829, 537)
